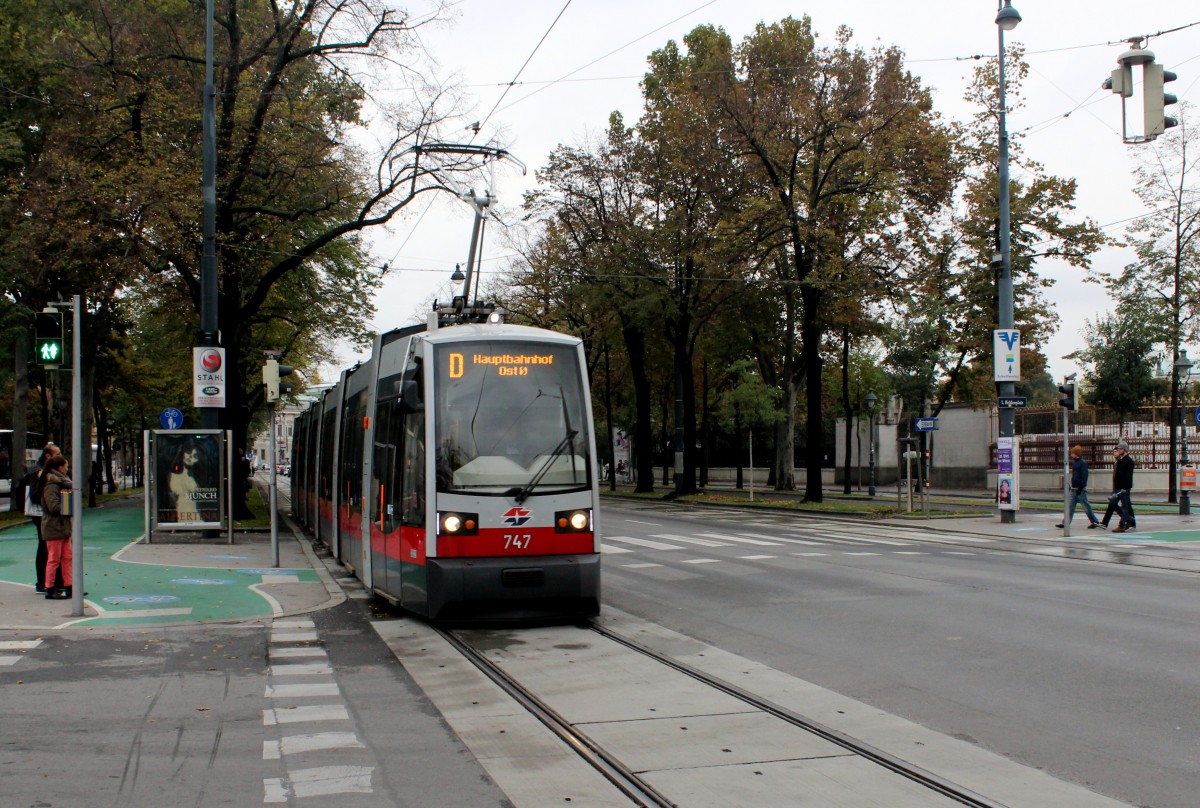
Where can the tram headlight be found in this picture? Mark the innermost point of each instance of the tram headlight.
(579, 521)
(453, 523)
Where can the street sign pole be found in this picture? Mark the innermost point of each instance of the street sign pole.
(1066, 481)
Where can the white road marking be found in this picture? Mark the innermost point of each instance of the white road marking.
(702, 561)
(19, 645)
(311, 712)
(299, 651)
(318, 782)
(294, 636)
(756, 558)
(301, 691)
(10, 660)
(911, 552)
(301, 669)
(741, 539)
(860, 554)
(689, 540)
(609, 548)
(653, 545)
(810, 554)
(640, 566)
(296, 744)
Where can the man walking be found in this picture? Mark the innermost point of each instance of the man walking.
(1120, 499)
(1079, 481)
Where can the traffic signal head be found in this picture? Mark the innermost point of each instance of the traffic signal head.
(285, 388)
(48, 344)
(272, 370)
(271, 379)
(1070, 398)
(1154, 100)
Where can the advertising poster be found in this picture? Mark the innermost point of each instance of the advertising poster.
(188, 490)
(1008, 494)
(208, 377)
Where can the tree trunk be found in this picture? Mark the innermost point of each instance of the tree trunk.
(810, 359)
(635, 345)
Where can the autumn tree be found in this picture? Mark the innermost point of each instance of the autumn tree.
(828, 134)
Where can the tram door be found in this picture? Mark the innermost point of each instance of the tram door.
(412, 510)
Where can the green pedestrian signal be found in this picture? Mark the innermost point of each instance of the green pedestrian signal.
(48, 347)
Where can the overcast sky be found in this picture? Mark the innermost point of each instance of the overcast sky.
(579, 60)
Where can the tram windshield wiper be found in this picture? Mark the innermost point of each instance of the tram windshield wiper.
(522, 492)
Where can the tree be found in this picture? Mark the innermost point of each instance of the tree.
(1119, 349)
(1164, 281)
(839, 140)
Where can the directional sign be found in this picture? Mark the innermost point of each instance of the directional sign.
(171, 418)
(925, 424)
(1012, 402)
(1198, 416)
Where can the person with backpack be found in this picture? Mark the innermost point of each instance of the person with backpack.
(34, 483)
(56, 527)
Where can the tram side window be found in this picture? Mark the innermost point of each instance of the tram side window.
(352, 438)
(412, 471)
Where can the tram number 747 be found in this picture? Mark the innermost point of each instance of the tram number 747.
(519, 541)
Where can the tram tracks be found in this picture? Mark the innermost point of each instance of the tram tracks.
(629, 776)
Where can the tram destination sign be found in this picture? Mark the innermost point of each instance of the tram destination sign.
(460, 364)
(1012, 402)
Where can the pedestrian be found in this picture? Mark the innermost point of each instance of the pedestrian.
(56, 528)
(1079, 481)
(1120, 500)
(34, 483)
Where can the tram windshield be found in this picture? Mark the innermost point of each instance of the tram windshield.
(510, 415)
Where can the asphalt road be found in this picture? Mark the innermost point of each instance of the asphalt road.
(1082, 669)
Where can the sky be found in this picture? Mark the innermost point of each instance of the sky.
(576, 61)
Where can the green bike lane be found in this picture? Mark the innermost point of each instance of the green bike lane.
(175, 578)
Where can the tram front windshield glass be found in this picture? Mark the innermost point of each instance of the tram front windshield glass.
(510, 415)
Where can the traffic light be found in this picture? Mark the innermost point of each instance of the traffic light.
(272, 371)
(1069, 400)
(285, 388)
(1154, 100)
(48, 345)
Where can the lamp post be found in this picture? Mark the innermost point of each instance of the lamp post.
(1006, 20)
(1183, 370)
(871, 399)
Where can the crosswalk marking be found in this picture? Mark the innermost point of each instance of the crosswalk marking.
(313, 742)
(653, 545)
(810, 554)
(741, 538)
(641, 566)
(689, 540)
(612, 549)
(911, 552)
(310, 712)
(319, 782)
(300, 651)
(300, 669)
(756, 557)
(702, 561)
(302, 691)
(19, 645)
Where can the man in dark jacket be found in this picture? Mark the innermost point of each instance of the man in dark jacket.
(1122, 486)
(1079, 481)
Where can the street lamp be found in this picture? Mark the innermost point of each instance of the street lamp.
(1006, 20)
(1183, 370)
(871, 399)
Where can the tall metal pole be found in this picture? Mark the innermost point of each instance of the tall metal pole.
(272, 493)
(76, 460)
(210, 417)
(1005, 18)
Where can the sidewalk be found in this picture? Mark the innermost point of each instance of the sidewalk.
(179, 578)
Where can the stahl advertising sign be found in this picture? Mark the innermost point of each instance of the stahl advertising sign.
(208, 377)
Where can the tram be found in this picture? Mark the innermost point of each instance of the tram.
(454, 472)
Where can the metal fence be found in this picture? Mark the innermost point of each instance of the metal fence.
(1148, 433)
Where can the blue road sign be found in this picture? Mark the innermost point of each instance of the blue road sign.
(925, 424)
(1012, 402)
(171, 418)
(1198, 416)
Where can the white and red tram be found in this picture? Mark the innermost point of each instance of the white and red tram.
(455, 472)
